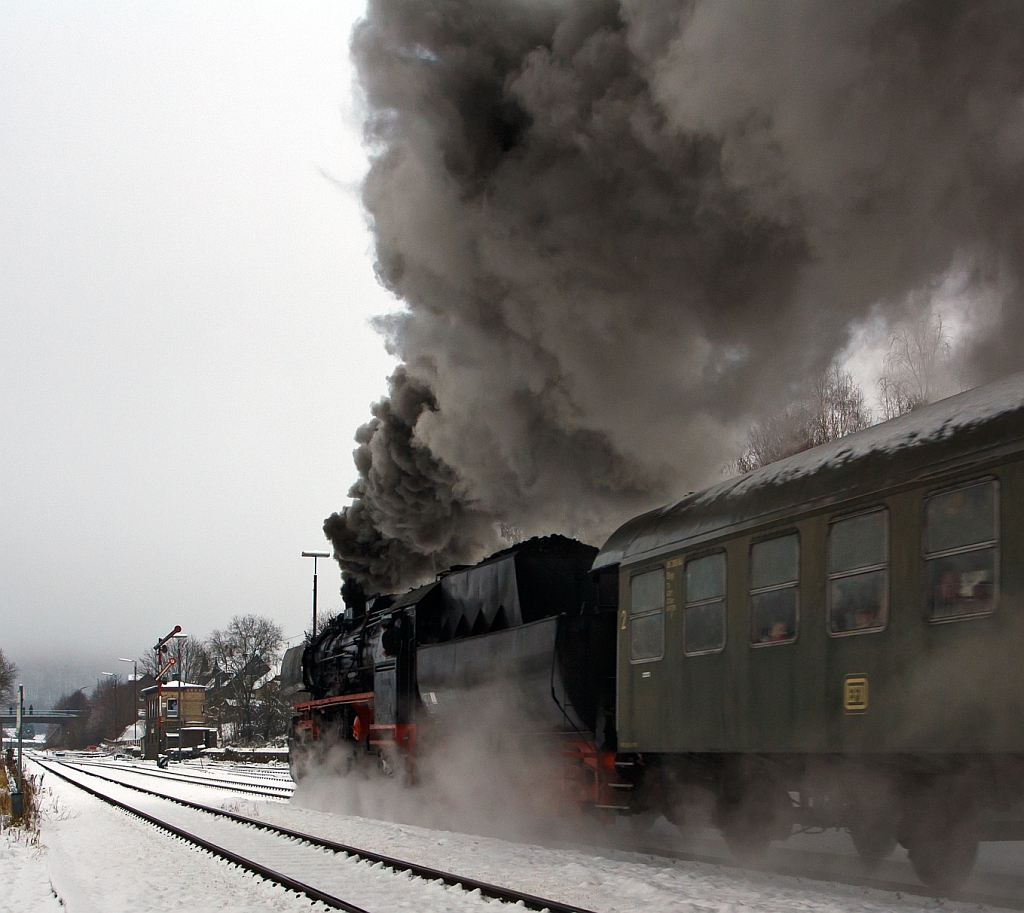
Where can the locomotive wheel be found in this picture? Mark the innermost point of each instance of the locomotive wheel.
(748, 810)
(873, 840)
(941, 836)
(874, 813)
(943, 860)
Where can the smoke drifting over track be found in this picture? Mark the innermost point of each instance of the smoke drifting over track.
(621, 229)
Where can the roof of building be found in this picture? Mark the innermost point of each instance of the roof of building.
(173, 686)
(984, 420)
(133, 733)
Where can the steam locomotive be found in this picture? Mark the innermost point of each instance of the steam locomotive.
(529, 627)
(833, 640)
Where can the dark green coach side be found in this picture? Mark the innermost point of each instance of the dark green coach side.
(838, 638)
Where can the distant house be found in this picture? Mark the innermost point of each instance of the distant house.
(244, 704)
(144, 682)
(176, 718)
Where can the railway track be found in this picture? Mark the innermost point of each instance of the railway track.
(818, 866)
(267, 790)
(284, 836)
(274, 774)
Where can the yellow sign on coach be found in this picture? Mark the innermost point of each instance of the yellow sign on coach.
(855, 694)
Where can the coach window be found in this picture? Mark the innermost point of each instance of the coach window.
(858, 573)
(647, 616)
(961, 550)
(704, 615)
(774, 585)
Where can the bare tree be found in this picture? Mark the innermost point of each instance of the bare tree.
(777, 437)
(72, 734)
(8, 675)
(194, 662)
(832, 408)
(192, 658)
(244, 655)
(147, 663)
(111, 711)
(918, 368)
(511, 533)
(273, 711)
(836, 406)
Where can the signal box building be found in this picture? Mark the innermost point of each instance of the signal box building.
(176, 718)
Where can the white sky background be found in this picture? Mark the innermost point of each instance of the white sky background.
(184, 346)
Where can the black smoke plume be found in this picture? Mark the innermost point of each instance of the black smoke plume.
(619, 230)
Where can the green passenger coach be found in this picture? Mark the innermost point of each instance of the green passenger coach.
(837, 639)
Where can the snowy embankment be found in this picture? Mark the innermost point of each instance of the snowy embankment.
(99, 859)
(95, 859)
(24, 884)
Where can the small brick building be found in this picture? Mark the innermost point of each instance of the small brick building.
(178, 710)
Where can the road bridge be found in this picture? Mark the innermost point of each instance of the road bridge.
(39, 717)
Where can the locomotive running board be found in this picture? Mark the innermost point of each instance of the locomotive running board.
(364, 698)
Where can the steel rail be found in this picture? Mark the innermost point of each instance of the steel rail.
(283, 792)
(249, 865)
(209, 772)
(259, 771)
(486, 889)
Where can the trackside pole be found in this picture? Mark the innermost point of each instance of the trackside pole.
(21, 713)
(18, 798)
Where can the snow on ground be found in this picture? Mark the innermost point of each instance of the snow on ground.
(367, 885)
(24, 884)
(89, 848)
(98, 859)
(608, 880)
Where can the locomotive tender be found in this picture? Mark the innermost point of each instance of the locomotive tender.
(832, 640)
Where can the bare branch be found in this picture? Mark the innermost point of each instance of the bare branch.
(244, 654)
(832, 408)
(918, 367)
(8, 674)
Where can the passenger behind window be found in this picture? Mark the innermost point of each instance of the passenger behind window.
(774, 589)
(961, 551)
(858, 589)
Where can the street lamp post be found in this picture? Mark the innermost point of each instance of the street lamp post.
(117, 715)
(17, 794)
(21, 725)
(314, 556)
(135, 690)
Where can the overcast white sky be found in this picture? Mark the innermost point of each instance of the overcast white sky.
(184, 346)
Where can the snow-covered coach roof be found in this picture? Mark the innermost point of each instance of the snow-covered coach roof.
(986, 420)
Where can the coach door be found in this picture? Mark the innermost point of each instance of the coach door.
(857, 608)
